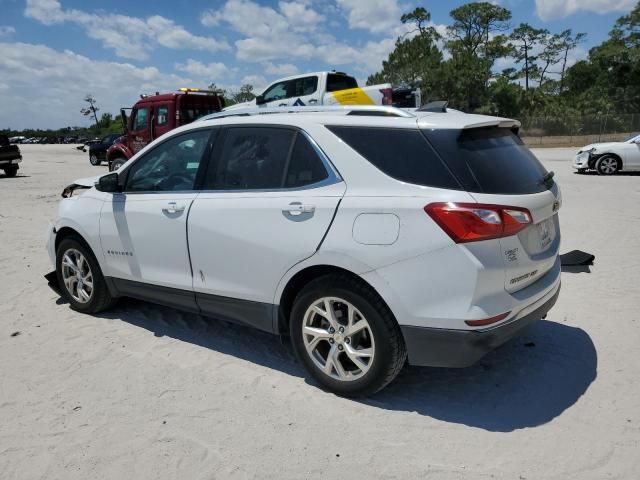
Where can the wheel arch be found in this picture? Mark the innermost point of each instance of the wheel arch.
(302, 278)
(67, 232)
(117, 150)
(608, 154)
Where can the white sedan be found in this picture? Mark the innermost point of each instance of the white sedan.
(609, 158)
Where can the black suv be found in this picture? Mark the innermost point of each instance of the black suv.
(9, 157)
(98, 150)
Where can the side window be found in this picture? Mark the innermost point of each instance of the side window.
(305, 166)
(141, 119)
(171, 166)
(337, 82)
(277, 91)
(302, 86)
(251, 158)
(403, 154)
(162, 115)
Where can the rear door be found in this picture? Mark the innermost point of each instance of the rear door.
(268, 199)
(495, 167)
(303, 91)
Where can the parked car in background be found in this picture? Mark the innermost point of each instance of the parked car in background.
(98, 149)
(155, 115)
(609, 158)
(324, 88)
(10, 157)
(364, 234)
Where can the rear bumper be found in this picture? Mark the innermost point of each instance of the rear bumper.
(439, 347)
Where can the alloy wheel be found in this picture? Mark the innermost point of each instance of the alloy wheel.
(77, 276)
(608, 165)
(338, 339)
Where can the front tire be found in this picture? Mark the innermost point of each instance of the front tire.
(607, 165)
(346, 336)
(11, 171)
(94, 160)
(80, 277)
(116, 164)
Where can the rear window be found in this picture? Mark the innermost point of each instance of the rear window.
(489, 160)
(190, 114)
(403, 154)
(337, 82)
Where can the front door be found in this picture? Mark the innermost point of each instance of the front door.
(143, 231)
(140, 134)
(276, 95)
(632, 162)
(267, 201)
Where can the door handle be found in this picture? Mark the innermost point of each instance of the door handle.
(297, 208)
(313, 101)
(173, 207)
(283, 105)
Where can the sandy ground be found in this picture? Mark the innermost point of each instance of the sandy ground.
(146, 392)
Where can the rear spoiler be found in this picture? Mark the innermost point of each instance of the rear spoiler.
(498, 122)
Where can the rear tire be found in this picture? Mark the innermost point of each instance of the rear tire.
(80, 277)
(94, 160)
(356, 347)
(607, 165)
(11, 171)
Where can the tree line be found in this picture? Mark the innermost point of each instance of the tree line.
(461, 66)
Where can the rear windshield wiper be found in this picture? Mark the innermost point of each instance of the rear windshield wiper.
(547, 178)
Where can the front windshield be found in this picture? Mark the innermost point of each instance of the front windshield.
(633, 139)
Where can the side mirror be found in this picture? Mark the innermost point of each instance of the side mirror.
(109, 183)
(260, 100)
(124, 119)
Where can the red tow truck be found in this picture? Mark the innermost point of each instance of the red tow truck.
(154, 115)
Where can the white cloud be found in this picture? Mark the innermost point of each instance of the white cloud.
(283, 69)
(129, 37)
(376, 16)
(554, 9)
(61, 80)
(209, 72)
(301, 16)
(6, 31)
(296, 31)
(258, 81)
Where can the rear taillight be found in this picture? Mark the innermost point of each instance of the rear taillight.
(473, 222)
(387, 96)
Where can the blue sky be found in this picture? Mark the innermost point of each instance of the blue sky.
(53, 52)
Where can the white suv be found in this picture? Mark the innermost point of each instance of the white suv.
(365, 234)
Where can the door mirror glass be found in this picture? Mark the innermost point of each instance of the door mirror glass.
(109, 183)
(125, 120)
(260, 100)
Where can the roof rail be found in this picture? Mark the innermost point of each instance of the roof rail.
(373, 110)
